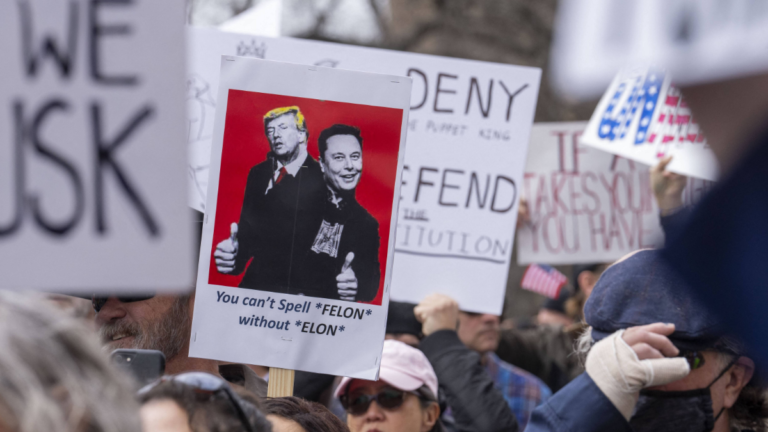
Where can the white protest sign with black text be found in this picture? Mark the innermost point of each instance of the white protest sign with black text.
(643, 117)
(467, 141)
(586, 205)
(298, 240)
(92, 151)
(698, 41)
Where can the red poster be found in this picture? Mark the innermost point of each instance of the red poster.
(307, 223)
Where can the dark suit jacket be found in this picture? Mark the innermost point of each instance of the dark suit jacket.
(335, 233)
(276, 228)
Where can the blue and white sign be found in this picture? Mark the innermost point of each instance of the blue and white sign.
(644, 118)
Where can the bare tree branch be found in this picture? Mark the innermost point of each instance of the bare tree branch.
(322, 16)
(238, 8)
(381, 19)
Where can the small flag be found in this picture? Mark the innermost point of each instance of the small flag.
(543, 279)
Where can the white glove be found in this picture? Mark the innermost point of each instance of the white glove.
(614, 366)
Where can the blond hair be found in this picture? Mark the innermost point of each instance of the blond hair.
(298, 117)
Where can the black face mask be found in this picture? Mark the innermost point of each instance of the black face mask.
(679, 411)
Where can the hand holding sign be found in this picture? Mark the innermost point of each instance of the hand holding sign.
(346, 281)
(667, 186)
(437, 312)
(226, 252)
(523, 213)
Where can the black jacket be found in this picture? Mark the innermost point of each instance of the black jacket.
(276, 228)
(477, 404)
(337, 232)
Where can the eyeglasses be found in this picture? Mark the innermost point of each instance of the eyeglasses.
(695, 359)
(98, 302)
(388, 398)
(206, 383)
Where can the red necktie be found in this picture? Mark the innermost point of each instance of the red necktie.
(282, 174)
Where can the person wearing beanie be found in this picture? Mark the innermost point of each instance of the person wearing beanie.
(656, 361)
(402, 325)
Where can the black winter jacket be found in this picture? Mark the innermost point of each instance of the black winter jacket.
(477, 405)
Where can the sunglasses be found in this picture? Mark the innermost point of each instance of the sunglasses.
(695, 359)
(388, 398)
(206, 383)
(98, 302)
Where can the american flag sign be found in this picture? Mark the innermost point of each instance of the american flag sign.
(543, 279)
(643, 117)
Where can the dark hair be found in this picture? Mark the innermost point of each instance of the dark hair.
(597, 268)
(209, 412)
(311, 416)
(427, 398)
(751, 408)
(337, 129)
(401, 320)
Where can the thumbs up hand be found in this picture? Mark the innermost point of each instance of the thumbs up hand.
(346, 281)
(226, 252)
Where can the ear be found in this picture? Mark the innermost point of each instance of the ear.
(429, 417)
(738, 378)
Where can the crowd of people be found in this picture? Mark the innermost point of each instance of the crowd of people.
(628, 348)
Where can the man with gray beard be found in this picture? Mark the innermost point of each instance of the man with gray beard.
(160, 322)
(164, 323)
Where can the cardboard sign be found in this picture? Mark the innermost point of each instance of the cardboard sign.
(696, 40)
(300, 217)
(467, 142)
(644, 118)
(587, 206)
(92, 153)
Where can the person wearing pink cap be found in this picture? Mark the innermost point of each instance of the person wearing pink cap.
(404, 399)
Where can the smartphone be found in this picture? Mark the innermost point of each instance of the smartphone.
(145, 366)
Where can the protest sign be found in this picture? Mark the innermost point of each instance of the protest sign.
(587, 206)
(300, 217)
(696, 40)
(92, 151)
(643, 117)
(467, 141)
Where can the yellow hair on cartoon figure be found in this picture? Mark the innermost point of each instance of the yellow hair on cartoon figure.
(301, 124)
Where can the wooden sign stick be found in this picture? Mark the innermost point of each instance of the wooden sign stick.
(280, 382)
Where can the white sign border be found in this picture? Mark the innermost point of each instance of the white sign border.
(346, 89)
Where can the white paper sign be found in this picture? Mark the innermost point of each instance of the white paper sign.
(644, 118)
(468, 135)
(696, 40)
(307, 160)
(587, 206)
(92, 151)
